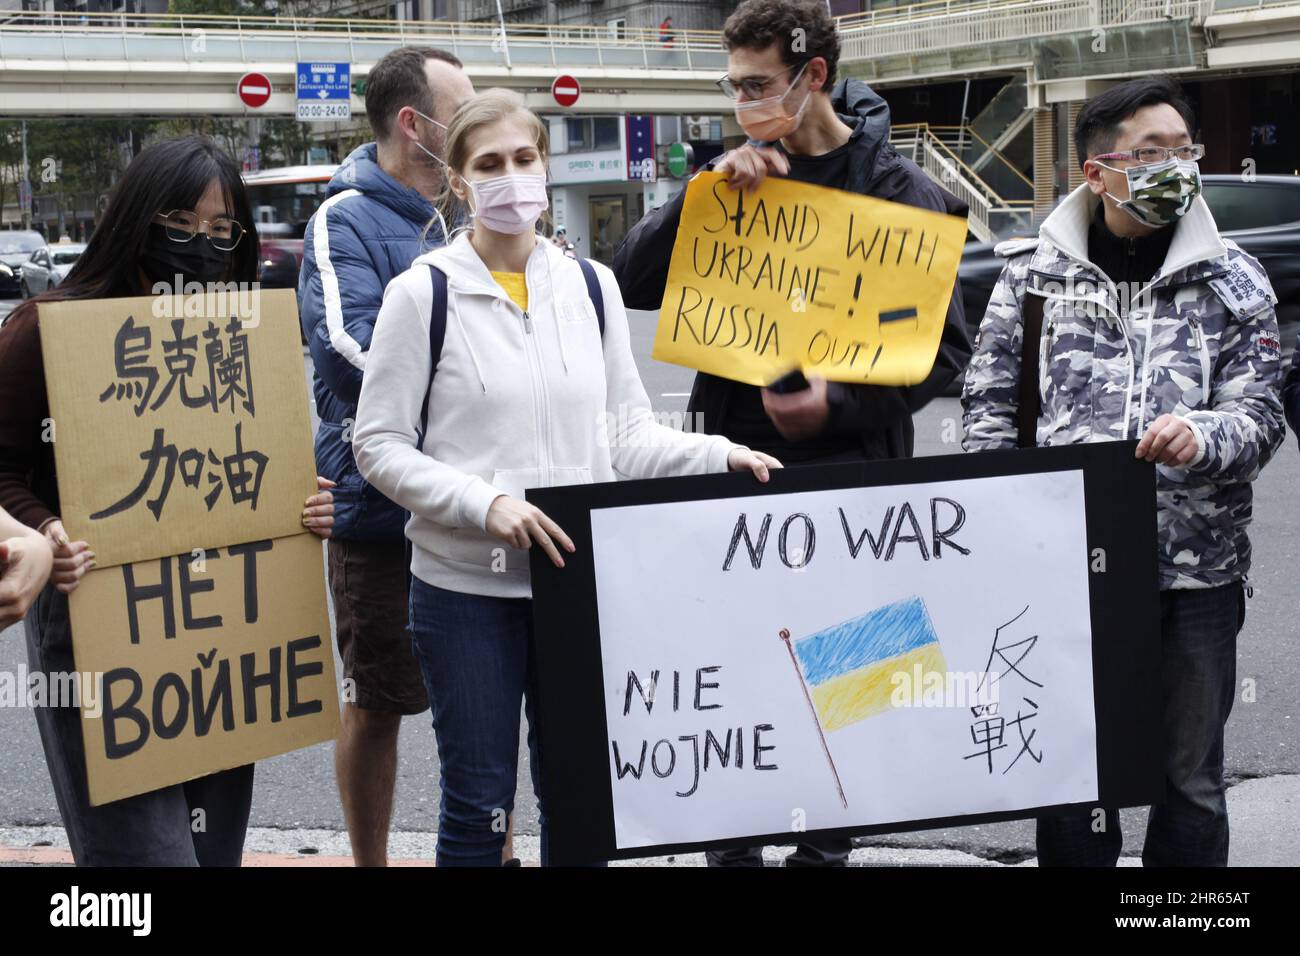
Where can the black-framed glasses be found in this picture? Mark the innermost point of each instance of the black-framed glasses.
(754, 86)
(181, 225)
(1159, 154)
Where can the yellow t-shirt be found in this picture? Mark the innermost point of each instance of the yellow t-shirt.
(514, 285)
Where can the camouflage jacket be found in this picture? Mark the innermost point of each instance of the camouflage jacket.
(1200, 341)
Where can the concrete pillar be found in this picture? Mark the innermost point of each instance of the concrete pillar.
(1044, 163)
(1074, 171)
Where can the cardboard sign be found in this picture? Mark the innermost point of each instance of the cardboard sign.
(848, 649)
(794, 276)
(203, 663)
(183, 450)
(179, 423)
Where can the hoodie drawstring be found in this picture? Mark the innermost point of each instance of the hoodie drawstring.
(453, 302)
(555, 309)
(442, 223)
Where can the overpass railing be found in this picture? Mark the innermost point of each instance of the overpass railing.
(163, 36)
(949, 24)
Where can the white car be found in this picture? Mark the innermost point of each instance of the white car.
(48, 266)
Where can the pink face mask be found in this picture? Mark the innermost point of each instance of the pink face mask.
(509, 204)
(766, 120)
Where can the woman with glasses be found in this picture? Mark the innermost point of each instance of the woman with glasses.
(203, 262)
(175, 218)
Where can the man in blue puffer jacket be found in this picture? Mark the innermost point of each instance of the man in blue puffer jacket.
(378, 217)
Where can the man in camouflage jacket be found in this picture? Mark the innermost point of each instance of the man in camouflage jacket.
(1182, 354)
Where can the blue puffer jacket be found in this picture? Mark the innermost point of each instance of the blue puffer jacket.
(365, 233)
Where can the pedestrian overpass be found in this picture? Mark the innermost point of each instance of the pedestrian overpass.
(1052, 51)
(55, 64)
(58, 63)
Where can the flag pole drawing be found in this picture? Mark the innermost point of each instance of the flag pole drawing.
(847, 670)
(785, 636)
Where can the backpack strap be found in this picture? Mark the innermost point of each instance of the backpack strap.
(437, 332)
(594, 292)
(1030, 401)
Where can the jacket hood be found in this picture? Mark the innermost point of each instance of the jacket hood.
(466, 271)
(1196, 247)
(862, 108)
(361, 171)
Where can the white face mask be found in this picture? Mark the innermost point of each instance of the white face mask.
(509, 204)
(425, 149)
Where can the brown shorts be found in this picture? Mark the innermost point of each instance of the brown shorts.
(369, 584)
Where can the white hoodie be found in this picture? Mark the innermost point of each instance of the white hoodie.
(520, 400)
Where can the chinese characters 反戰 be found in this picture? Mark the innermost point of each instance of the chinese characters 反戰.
(989, 727)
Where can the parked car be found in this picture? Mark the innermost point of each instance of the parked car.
(16, 247)
(48, 266)
(278, 264)
(1261, 215)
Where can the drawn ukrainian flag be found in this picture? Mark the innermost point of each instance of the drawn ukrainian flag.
(848, 668)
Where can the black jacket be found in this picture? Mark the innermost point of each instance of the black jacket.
(1291, 393)
(881, 415)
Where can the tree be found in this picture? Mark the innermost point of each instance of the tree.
(67, 157)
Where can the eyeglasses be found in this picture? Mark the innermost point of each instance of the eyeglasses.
(181, 225)
(1159, 154)
(754, 86)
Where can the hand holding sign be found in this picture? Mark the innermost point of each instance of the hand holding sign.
(747, 166)
(519, 524)
(755, 462)
(318, 510)
(801, 414)
(72, 559)
(789, 275)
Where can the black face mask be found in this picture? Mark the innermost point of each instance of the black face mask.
(195, 261)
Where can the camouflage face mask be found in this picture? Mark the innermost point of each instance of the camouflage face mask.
(1159, 193)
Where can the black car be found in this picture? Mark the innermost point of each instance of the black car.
(1261, 215)
(16, 247)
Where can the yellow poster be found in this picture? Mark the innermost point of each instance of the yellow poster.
(793, 276)
(202, 662)
(178, 423)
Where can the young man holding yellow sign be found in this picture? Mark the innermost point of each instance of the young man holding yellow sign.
(805, 127)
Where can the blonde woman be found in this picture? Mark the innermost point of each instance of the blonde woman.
(489, 373)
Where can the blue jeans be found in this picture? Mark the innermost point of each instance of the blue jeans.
(1198, 634)
(475, 653)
